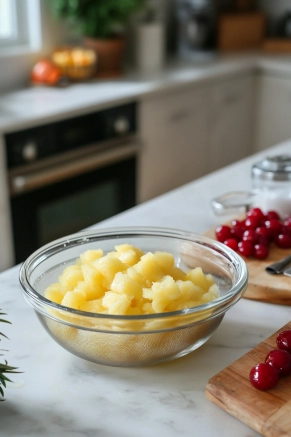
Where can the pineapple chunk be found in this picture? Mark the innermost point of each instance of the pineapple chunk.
(116, 303)
(149, 268)
(93, 306)
(109, 266)
(198, 278)
(125, 247)
(90, 255)
(165, 260)
(134, 275)
(189, 291)
(53, 293)
(128, 281)
(128, 254)
(123, 284)
(93, 278)
(74, 299)
(164, 292)
(70, 277)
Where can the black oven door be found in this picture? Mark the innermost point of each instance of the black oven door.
(53, 211)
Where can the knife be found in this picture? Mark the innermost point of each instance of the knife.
(280, 267)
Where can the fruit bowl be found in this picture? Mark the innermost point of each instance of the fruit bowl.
(134, 340)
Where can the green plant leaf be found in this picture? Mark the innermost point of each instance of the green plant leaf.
(96, 18)
(5, 369)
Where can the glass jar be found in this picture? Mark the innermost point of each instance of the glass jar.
(271, 180)
(271, 189)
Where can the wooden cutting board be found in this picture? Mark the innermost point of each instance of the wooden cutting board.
(263, 286)
(267, 412)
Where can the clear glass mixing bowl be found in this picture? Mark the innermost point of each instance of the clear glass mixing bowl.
(134, 340)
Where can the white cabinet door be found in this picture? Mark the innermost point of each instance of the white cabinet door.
(273, 110)
(231, 122)
(174, 130)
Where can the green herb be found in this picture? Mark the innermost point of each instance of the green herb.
(96, 18)
(4, 368)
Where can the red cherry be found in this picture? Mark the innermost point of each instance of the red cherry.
(261, 251)
(272, 215)
(284, 340)
(245, 248)
(232, 243)
(252, 222)
(280, 359)
(256, 212)
(237, 232)
(286, 230)
(263, 235)
(238, 224)
(287, 222)
(222, 233)
(251, 236)
(263, 376)
(274, 226)
(283, 240)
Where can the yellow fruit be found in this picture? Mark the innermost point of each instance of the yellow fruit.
(53, 293)
(164, 292)
(90, 255)
(116, 303)
(123, 284)
(189, 291)
(128, 281)
(109, 266)
(93, 306)
(149, 268)
(198, 278)
(73, 300)
(165, 260)
(93, 278)
(70, 277)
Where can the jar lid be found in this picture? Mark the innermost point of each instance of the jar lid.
(273, 168)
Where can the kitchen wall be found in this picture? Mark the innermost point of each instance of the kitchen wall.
(15, 69)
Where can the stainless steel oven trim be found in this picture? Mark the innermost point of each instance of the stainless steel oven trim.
(68, 165)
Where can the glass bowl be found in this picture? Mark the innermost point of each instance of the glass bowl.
(134, 340)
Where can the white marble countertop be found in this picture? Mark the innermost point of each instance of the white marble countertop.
(61, 395)
(39, 104)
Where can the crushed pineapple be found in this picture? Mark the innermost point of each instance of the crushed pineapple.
(128, 281)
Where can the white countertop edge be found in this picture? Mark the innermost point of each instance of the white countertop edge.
(38, 104)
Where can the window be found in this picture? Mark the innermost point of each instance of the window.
(19, 26)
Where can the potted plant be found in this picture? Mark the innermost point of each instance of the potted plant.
(101, 23)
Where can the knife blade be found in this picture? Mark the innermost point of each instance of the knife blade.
(287, 272)
(280, 266)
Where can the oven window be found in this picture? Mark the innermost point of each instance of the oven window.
(69, 206)
(58, 217)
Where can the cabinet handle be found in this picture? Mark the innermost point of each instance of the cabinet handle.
(179, 115)
(230, 99)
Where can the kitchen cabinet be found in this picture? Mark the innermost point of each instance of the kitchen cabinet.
(190, 133)
(174, 129)
(231, 121)
(273, 110)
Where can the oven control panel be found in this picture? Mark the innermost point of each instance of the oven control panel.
(34, 144)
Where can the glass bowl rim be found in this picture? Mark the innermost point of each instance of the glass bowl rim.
(83, 237)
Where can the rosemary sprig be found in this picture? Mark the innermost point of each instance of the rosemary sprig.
(4, 368)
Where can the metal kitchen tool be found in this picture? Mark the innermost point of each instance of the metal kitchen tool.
(280, 267)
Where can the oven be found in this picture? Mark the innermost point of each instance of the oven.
(68, 175)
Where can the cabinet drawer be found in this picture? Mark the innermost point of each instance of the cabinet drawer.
(229, 93)
(174, 108)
